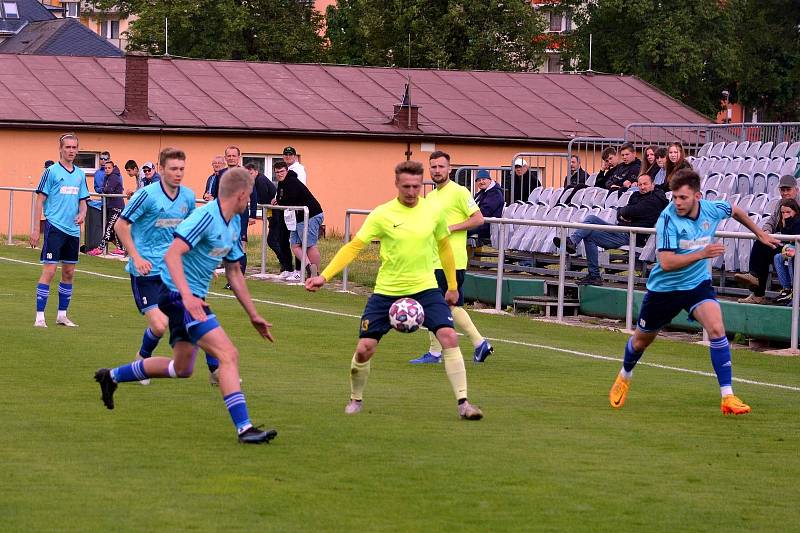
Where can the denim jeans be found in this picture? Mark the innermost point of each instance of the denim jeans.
(594, 238)
(784, 269)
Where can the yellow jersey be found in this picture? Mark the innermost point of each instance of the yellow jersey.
(458, 205)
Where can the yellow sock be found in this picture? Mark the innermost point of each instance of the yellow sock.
(464, 325)
(436, 346)
(359, 372)
(456, 373)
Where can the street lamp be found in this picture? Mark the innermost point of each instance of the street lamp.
(728, 113)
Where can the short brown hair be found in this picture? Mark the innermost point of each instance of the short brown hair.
(607, 152)
(233, 147)
(627, 146)
(685, 176)
(437, 154)
(170, 153)
(409, 167)
(234, 180)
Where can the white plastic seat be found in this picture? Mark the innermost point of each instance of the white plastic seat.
(789, 166)
(533, 197)
(591, 180)
(744, 246)
(759, 184)
(741, 149)
(779, 150)
(793, 150)
(716, 150)
(758, 204)
(743, 184)
(729, 150)
(623, 200)
(771, 206)
(765, 150)
(752, 151)
(555, 198)
(744, 202)
(703, 152)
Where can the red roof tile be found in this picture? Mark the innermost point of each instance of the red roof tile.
(332, 98)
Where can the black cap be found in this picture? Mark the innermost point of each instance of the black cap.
(289, 151)
(49, 163)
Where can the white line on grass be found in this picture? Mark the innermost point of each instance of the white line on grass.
(506, 341)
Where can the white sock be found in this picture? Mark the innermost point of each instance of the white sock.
(39, 316)
(436, 354)
(61, 313)
(171, 370)
(727, 390)
(625, 374)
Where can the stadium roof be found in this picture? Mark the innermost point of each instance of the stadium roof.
(331, 99)
(27, 11)
(65, 36)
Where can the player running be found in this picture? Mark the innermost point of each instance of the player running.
(62, 190)
(145, 229)
(408, 227)
(682, 280)
(209, 235)
(461, 214)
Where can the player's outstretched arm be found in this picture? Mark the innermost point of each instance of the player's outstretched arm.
(239, 287)
(123, 230)
(37, 216)
(173, 260)
(343, 257)
(740, 215)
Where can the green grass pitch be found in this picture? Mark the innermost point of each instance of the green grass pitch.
(550, 454)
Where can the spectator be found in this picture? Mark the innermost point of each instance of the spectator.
(233, 158)
(643, 209)
(789, 224)
(626, 172)
(265, 193)
(576, 180)
(761, 255)
(149, 174)
(99, 178)
(648, 160)
(111, 185)
(659, 170)
(212, 183)
(525, 180)
(608, 164)
(676, 160)
(290, 156)
(490, 200)
(291, 191)
(132, 170)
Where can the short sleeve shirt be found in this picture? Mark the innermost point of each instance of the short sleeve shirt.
(458, 205)
(407, 235)
(154, 215)
(684, 235)
(211, 239)
(64, 190)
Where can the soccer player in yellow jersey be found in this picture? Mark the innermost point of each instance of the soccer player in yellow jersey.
(407, 227)
(461, 214)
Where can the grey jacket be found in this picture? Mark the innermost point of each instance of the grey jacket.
(771, 221)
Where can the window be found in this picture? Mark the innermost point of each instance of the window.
(88, 161)
(555, 21)
(263, 162)
(71, 9)
(11, 10)
(553, 64)
(109, 29)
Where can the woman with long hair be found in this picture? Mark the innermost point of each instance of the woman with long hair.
(648, 160)
(783, 263)
(676, 160)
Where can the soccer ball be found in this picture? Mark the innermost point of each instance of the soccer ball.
(406, 315)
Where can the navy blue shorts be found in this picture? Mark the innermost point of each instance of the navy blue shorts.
(146, 291)
(182, 327)
(659, 308)
(375, 319)
(441, 279)
(58, 247)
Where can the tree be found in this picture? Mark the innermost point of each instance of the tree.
(687, 49)
(467, 34)
(267, 30)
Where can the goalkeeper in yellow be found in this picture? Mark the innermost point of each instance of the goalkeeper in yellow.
(407, 227)
(461, 214)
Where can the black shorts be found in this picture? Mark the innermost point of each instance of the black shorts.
(182, 327)
(659, 308)
(58, 247)
(146, 291)
(375, 319)
(441, 280)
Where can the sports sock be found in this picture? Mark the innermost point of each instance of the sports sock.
(131, 372)
(435, 347)
(237, 407)
(456, 373)
(359, 373)
(464, 324)
(212, 362)
(64, 296)
(631, 358)
(721, 360)
(42, 293)
(149, 343)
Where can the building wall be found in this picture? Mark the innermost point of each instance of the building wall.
(341, 173)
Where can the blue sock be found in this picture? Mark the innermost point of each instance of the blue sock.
(238, 410)
(42, 293)
(64, 295)
(149, 343)
(631, 357)
(212, 362)
(132, 372)
(721, 359)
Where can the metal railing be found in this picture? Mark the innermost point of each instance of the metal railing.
(589, 150)
(548, 168)
(694, 136)
(265, 231)
(11, 191)
(563, 228)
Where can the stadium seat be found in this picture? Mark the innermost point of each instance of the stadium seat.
(736, 199)
(544, 196)
(741, 149)
(743, 247)
(716, 150)
(591, 180)
(779, 150)
(771, 206)
(727, 185)
(555, 198)
(577, 198)
(752, 151)
(703, 152)
(789, 166)
(533, 197)
(611, 200)
(765, 150)
(730, 258)
(704, 167)
(623, 200)
(743, 184)
(759, 184)
(729, 150)
(793, 150)
(712, 182)
(758, 204)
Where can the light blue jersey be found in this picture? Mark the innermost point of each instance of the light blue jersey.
(64, 191)
(684, 235)
(154, 216)
(211, 240)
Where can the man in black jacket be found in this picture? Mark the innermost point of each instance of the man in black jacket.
(642, 211)
(626, 171)
(265, 192)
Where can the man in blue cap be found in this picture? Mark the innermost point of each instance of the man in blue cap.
(490, 200)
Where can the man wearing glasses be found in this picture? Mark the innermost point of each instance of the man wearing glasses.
(150, 174)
